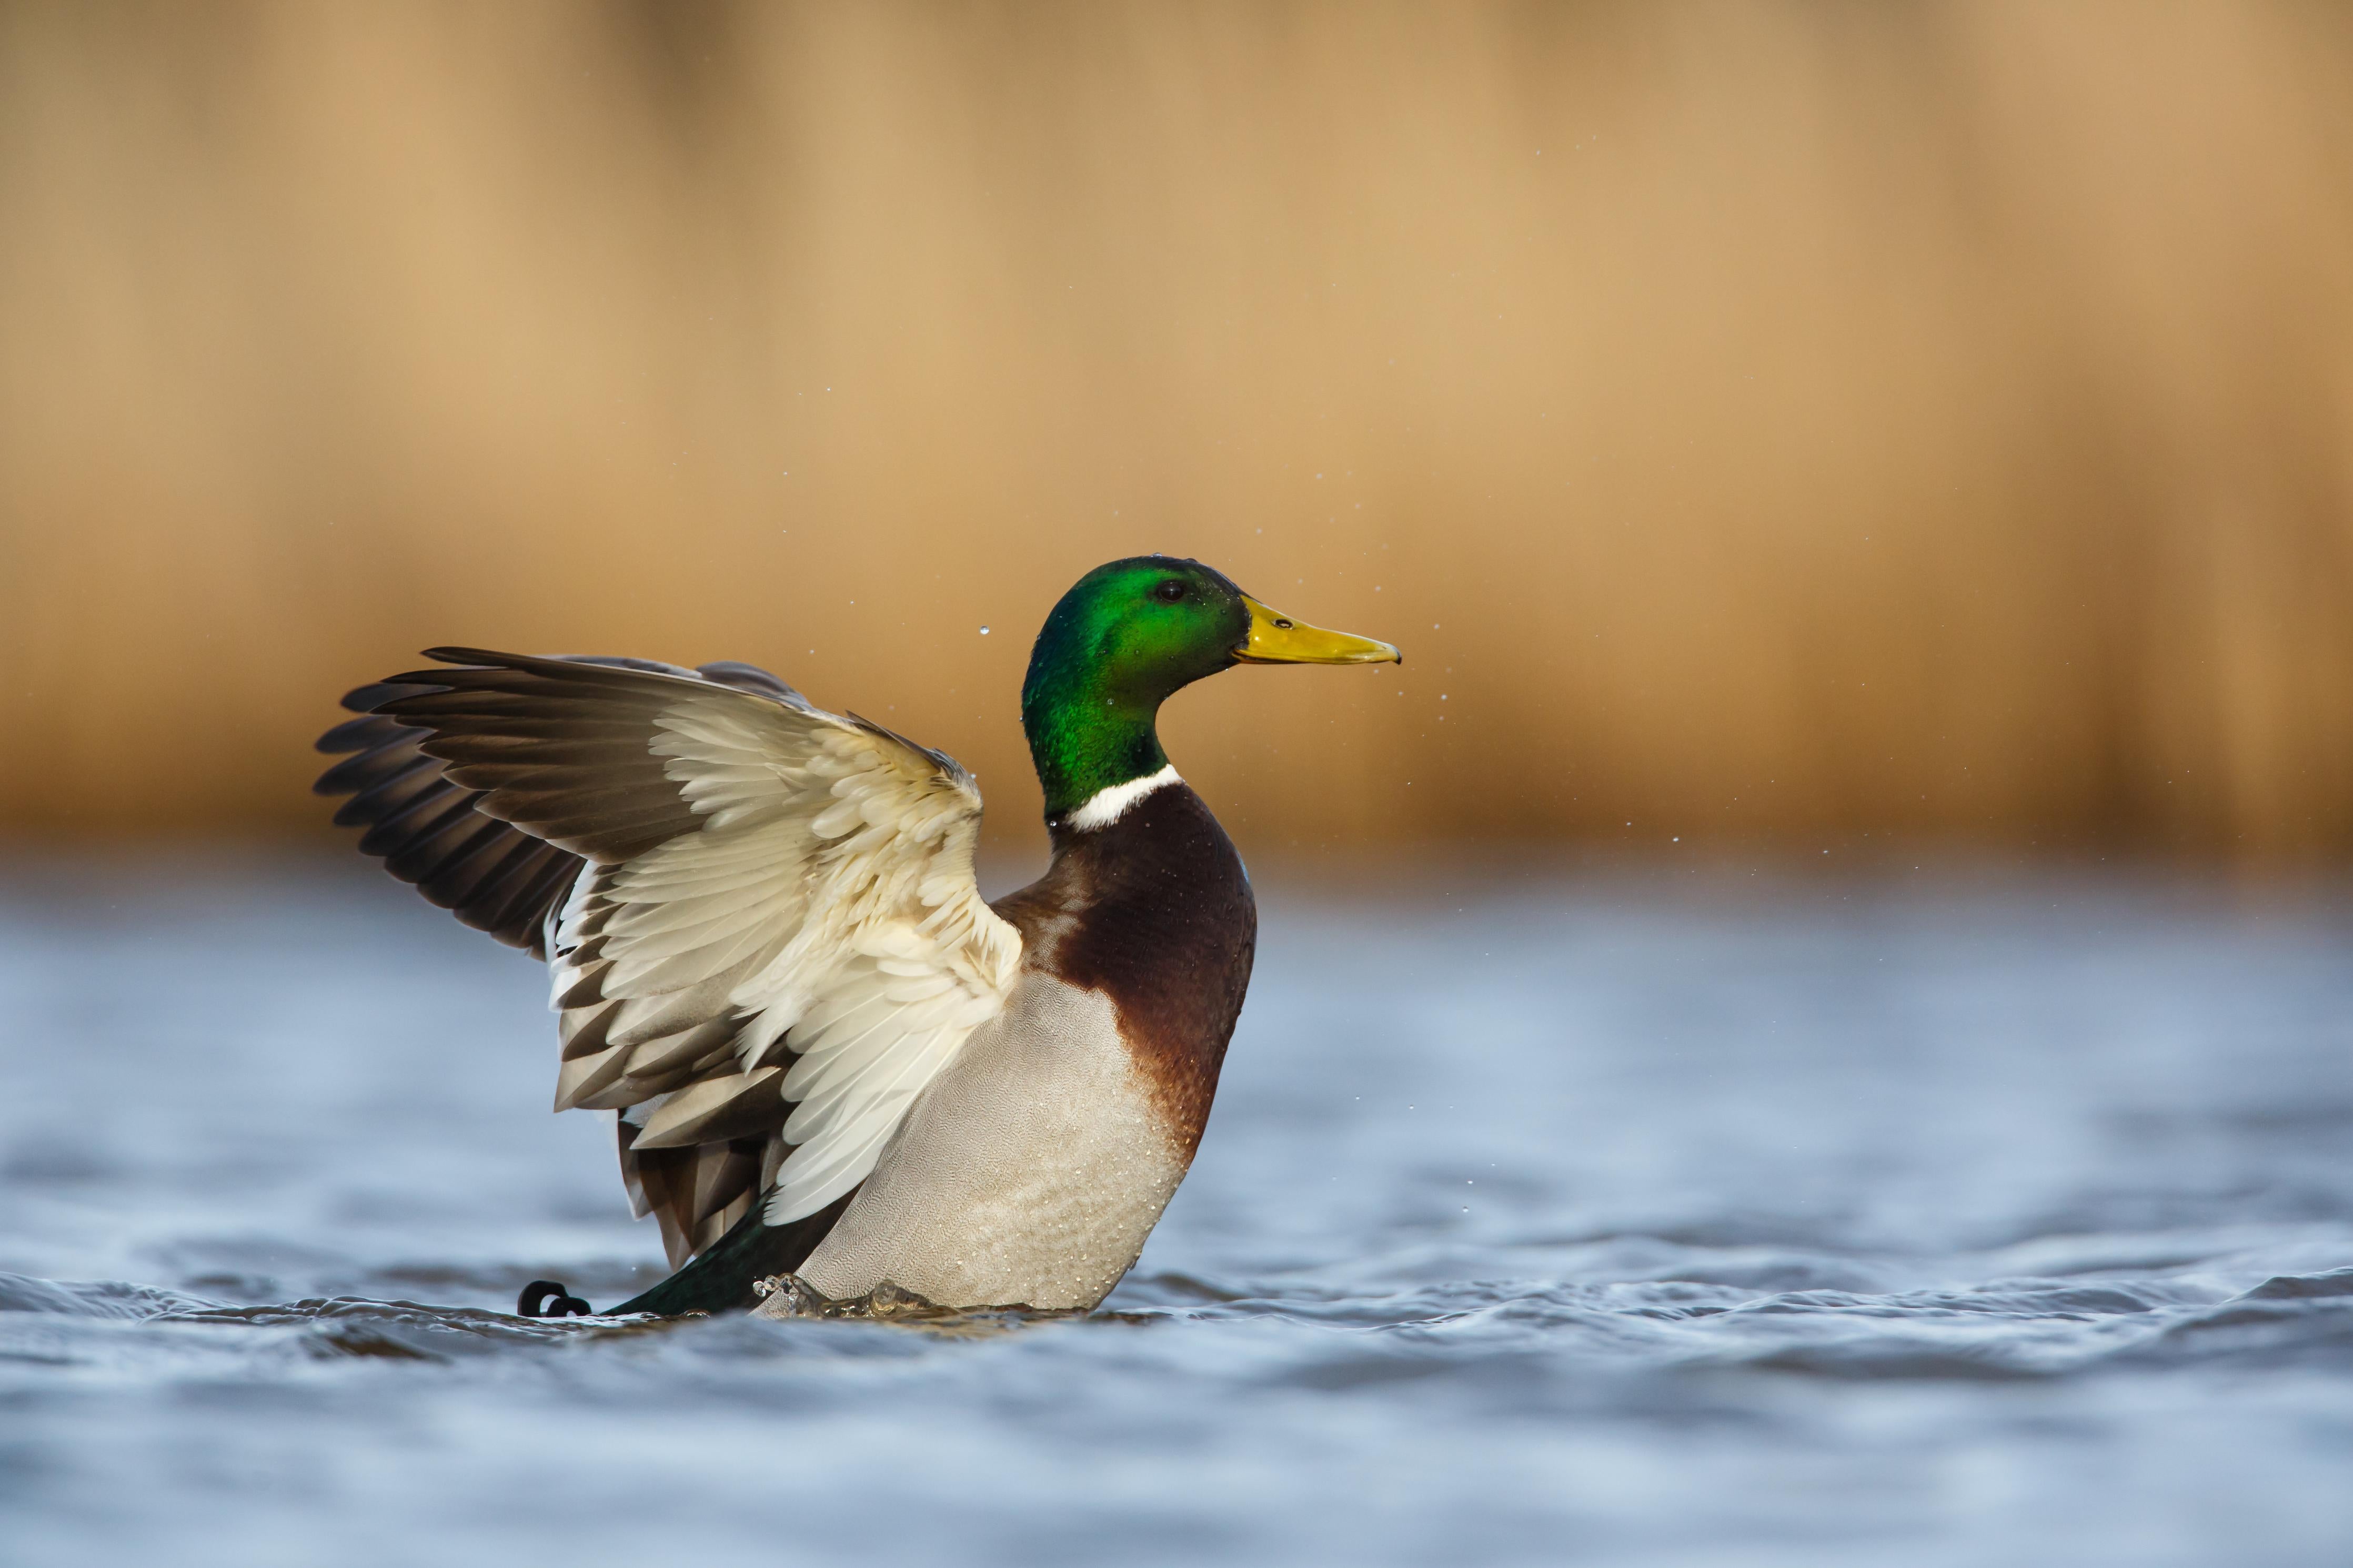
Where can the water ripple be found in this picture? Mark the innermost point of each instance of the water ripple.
(1835, 1227)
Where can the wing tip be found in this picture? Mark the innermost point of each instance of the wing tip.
(452, 653)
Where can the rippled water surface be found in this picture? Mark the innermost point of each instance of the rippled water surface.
(1628, 1219)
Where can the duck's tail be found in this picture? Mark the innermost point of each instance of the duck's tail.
(547, 1299)
(718, 1280)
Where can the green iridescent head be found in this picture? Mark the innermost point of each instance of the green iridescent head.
(1126, 638)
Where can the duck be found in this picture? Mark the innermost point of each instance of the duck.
(831, 1063)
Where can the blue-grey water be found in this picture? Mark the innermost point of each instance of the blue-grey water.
(1630, 1218)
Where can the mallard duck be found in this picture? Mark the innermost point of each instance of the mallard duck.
(833, 1062)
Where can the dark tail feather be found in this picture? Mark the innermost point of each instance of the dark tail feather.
(721, 1279)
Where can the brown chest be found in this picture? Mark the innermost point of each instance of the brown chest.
(1155, 912)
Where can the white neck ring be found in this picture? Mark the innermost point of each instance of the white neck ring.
(1107, 807)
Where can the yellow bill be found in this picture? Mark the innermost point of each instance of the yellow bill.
(1277, 639)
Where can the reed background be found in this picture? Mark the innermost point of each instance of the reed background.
(1758, 423)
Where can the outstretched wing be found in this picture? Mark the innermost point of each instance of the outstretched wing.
(774, 942)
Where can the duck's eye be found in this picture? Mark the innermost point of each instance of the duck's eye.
(1169, 592)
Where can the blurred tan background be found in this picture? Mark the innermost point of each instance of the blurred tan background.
(1756, 422)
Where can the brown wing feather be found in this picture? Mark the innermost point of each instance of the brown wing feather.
(697, 1193)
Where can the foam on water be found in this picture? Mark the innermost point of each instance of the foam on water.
(1597, 1220)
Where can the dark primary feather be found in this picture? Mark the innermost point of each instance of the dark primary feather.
(424, 828)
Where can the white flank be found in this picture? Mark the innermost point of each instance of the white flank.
(1107, 807)
(1032, 1170)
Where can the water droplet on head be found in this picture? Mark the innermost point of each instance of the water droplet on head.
(983, 631)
